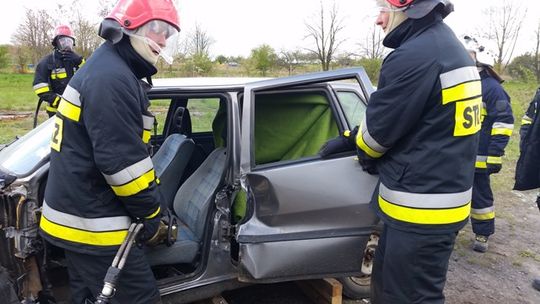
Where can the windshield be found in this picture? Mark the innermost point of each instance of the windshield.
(26, 153)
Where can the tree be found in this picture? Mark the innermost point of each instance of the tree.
(198, 44)
(325, 35)
(523, 67)
(504, 26)
(4, 56)
(35, 33)
(372, 47)
(290, 60)
(537, 52)
(263, 58)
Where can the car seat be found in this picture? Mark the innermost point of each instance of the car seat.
(191, 206)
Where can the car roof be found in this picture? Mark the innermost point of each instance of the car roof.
(205, 82)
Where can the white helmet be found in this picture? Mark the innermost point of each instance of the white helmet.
(483, 56)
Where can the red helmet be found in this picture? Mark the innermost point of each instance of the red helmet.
(416, 9)
(63, 30)
(132, 14)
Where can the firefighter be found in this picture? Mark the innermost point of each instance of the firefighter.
(526, 122)
(54, 71)
(101, 176)
(420, 134)
(497, 127)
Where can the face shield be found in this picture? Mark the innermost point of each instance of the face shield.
(160, 37)
(65, 43)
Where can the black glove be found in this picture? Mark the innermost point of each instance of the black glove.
(351, 136)
(75, 58)
(150, 228)
(493, 168)
(335, 145)
(368, 164)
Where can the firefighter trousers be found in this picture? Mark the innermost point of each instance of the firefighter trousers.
(136, 284)
(482, 212)
(410, 267)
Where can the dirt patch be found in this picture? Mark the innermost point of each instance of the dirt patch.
(503, 274)
(14, 115)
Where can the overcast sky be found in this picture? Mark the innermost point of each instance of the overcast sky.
(237, 26)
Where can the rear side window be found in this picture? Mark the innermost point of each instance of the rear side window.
(353, 107)
(291, 125)
(203, 111)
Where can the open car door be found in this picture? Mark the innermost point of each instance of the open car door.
(305, 216)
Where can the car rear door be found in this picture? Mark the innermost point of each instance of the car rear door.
(305, 216)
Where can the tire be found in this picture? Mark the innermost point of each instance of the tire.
(356, 288)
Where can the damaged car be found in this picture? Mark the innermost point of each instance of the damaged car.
(240, 167)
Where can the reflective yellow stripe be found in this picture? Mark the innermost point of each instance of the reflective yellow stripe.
(347, 133)
(146, 136)
(69, 110)
(50, 109)
(42, 90)
(525, 122)
(483, 217)
(59, 76)
(461, 92)
(362, 145)
(153, 215)
(494, 160)
(480, 165)
(425, 216)
(135, 186)
(108, 238)
(505, 132)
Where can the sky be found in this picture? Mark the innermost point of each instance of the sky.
(237, 26)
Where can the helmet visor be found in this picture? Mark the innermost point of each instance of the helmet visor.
(161, 38)
(65, 43)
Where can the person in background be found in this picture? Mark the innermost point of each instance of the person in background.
(497, 127)
(101, 175)
(54, 71)
(420, 134)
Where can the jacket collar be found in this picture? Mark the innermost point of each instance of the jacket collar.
(411, 28)
(140, 67)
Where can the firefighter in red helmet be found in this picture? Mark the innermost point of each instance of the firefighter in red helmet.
(54, 71)
(431, 87)
(101, 176)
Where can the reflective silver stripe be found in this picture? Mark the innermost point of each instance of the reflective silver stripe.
(502, 125)
(526, 117)
(458, 76)
(481, 158)
(148, 122)
(370, 141)
(40, 85)
(130, 173)
(72, 95)
(425, 200)
(58, 71)
(483, 211)
(101, 224)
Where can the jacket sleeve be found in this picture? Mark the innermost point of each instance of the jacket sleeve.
(401, 98)
(41, 84)
(113, 116)
(499, 111)
(528, 117)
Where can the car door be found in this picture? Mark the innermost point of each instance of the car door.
(305, 216)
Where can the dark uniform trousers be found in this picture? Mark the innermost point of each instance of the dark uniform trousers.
(136, 284)
(410, 267)
(482, 198)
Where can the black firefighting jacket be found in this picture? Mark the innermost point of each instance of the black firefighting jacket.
(528, 117)
(101, 176)
(497, 123)
(52, 76)
(528, 165)
(422, 126)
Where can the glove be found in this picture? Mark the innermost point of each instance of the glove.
(55, 101)
(151, 227)
(493, 168)
(368, 164)
(71, 56)
(351, 136)
(335, 145)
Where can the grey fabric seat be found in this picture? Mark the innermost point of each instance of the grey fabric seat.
(191, 206)
(170, 162)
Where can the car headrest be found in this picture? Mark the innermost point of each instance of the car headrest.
(182, 121)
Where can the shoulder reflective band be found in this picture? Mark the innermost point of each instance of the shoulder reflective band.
(368, 144)
(148, 123)
(105, 231)
(481, 162)
(70, 106)
(497, 160)
(500, 128)
(485, 214)
(41, 88)
(425, 208)
(59, 74)
(132, 179)
(460, 84)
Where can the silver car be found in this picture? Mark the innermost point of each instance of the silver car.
(240, 167)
